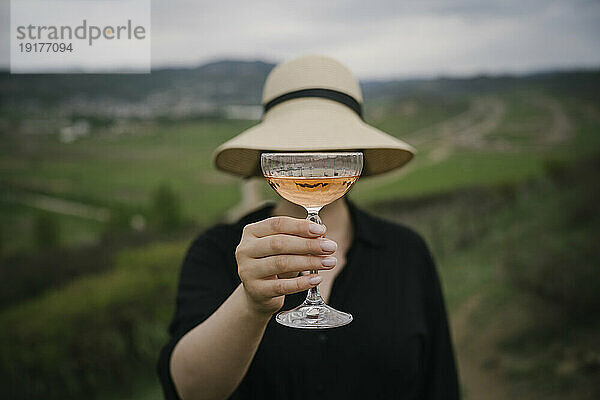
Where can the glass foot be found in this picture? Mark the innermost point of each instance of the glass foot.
(313, 316)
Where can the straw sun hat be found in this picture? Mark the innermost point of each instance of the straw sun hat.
(312, 103)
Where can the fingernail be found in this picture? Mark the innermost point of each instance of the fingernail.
(328, 245)
(329, 261)
(316, 228)
(315, 280)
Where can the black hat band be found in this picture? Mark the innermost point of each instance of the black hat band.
(329, 94)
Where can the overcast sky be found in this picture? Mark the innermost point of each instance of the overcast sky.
(377, 38)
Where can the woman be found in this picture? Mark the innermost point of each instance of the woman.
(235, 277)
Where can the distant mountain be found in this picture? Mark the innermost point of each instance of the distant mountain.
(214, 87)
(180, 91)
(581, 82)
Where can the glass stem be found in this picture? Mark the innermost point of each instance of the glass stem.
(314, 297)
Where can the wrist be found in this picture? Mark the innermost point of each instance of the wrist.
(252, 308)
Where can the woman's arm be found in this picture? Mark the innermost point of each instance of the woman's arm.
(210, 360)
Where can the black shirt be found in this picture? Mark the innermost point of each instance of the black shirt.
(397, 347)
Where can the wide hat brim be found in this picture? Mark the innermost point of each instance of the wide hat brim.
(312, 124)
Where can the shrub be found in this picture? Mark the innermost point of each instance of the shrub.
(556, 168)
(96, 333)
(46, 231)
(118, 221)
(553, 252)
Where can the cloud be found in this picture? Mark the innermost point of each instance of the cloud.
(380, 38)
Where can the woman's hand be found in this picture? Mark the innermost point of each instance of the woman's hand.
(272, 252)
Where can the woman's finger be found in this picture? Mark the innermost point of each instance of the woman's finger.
(288, 244)
(285, 263)
(281, 287)
(286, 225)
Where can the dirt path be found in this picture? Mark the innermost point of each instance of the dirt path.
(473, 351)
(466, 129)
(561, 125)
(479, 358)
(61, 206)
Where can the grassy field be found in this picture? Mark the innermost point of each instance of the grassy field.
(467, 191)
(116, 172)
(122, 171)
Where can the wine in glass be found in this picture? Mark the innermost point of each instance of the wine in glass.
(312, 180)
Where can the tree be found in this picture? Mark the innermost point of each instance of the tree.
(46, 230)
(166, 207)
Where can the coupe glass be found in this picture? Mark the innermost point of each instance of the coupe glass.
(312, 180)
